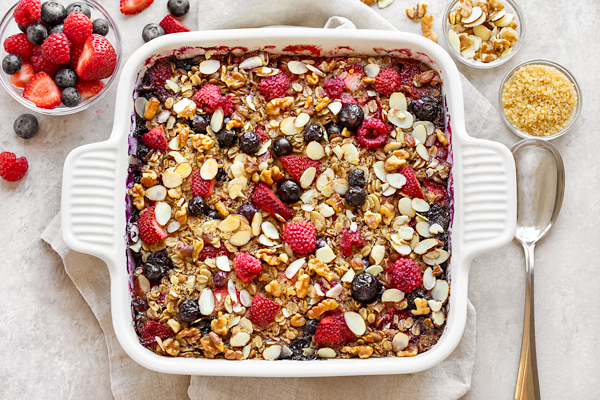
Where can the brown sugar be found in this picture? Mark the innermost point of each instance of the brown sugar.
(539, 100)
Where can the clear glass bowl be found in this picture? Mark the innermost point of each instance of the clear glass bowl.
(9, 27)
(510, 6)
(567, 74)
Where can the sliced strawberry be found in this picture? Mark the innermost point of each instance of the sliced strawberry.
(42, 91)
(349, 239)
(262, 311)
(411, 187)
(88, 89)
(154, 329)
(130, 7)
(263, 197)
(435, 192)
(201, 187)
(210, 251)
(156, 139)
(24, 76)
(354, 78)
(150, 231)
(98, 59)
(296, 165)
(172, 25)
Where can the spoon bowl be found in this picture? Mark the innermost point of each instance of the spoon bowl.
(540, 190)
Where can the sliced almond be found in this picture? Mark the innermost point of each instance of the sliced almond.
(256, 223)
(334, 291)
(384, 3)
(349, 276)
(315, 151)
(208, 67)
(270, 230)
(272, 352)
(498, 15)
(340, 186)
(240, 339)
(422, 228)
(435, 229)
(325, 254)
(350, 153)
(314, 69)
(422, 151)
(206, 302)
(173, 226)
(355, 322)
(428, 279)
(438, 318)
(294, 267)
(406, 233)
(454, 40)
(396, 180)
(429, 127)
(402, 249)
(162, 213)
(326, 210)
(476, 12)
(478, 21)
(405, 207)
(184, 170)
(297, 67)
(156, 193)
(308, 177)
(223, 263)
(378, 253)
(505, 20)
(174, 144)
(398, 101)
(392, 295)
(288, 127)
(262, 239)
(246, 300)
(337, 150)
(140, 106)
(251, 62)
(482, 32)
(420, 133)
(264, 147)
(235, 191)
(240, 238)
(335, 107)
(442, 257)
(216, 121)
(425, 245)
(419, 205)
(171, 179)
(309, 195)
(402, 119)
(209, 169)
(389, 191)
(301, 120)
(372, 70)
(374, 270)
(440, 290)
(380, 172)
(400, 341)
(326, 352)
(177, 157)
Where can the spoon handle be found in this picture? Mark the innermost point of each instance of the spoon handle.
(528, 387)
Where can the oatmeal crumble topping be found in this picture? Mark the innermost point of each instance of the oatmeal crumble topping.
(289, 207)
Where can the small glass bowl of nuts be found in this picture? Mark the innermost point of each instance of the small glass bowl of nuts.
(483, 33)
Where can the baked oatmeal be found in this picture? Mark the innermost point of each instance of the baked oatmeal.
(289, 207)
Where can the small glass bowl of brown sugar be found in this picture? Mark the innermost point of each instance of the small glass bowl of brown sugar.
(540, 99)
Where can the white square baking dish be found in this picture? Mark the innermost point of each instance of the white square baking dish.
(94, 195)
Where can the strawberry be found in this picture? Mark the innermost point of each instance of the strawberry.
(220, 294)
(88, 89)
(12, 168)
(434, 192)
(208, 98)
(349, 239)
(19, 44)
(157, 76)
(404, 275)
(300, 236)
(23, 77)
(156, 139)
(77, 27)
(210, 251)
(76, 51)
(262, 311)
(387, 81)
(354, 78)
(98, 59)
(40, 64)
(333, 329)
(296, 165)
(247, 267)
(42, 91)
(263, 197)
(130, 7)
(172, 25)
(150, 231)
(57, 48)
(412, 187)
(274, 86)
(27, 12)
(154, 329)
(201, 187)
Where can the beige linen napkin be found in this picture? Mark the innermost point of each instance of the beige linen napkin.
(449, 380)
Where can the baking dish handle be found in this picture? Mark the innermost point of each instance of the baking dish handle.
(88, 205)
(489, 189)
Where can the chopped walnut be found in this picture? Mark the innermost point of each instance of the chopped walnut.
(465, 7)
(322, 307)
(149, 178)
(233, 355)
(302, 286)
(417, 12)
(171, 346)
(427, 28)
(192, 335)
(422, 307)
(138, 193)
(297, 321)
(410, 351)
(274, 288)
(219, 326)
(276, 106)
(360, 351)
(202, 142)
(372, 219)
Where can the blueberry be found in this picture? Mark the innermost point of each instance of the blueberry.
(100, 26)
(53, 13)
(426, 108)
(356, 177)
(247, 210)
(189, 310)
(417, 293)
(11, 64)
(226, 138)
(220, 279)
(355, 196)
(56, 29)
(333, 128)
(310, 327)
(297, 347)
(281, 146)
(197, 205)
(439, 215)
(178, 7)
(204, 325)
(81, 7)
(37, 33)
(199, 123)
(314, 133)
(212, 213)
(22, 28)
(351, 116)
(152, 31)
(70, 97)
(249, 142)
(157, 265)
(26, 126)
(365, 287)
(65, 78)
(142, 150)
(320, 243)
(221, 176)
(289, 191)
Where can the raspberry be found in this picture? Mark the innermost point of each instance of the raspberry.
(372, 133)
(154, 329)
(404, 275)
(387, 81)
(226, 104)
(27, 12)
(57, 48)
(300, 236)
(76, 51)
(78, 27)
(40, 64)
(210, 251)
(12, 168)
(333, 329)
(275, 86)
(334, 87)
(19, 44)
(247, 267)
(349, 239)
(208, 98)
(262, 311)
(264, 136)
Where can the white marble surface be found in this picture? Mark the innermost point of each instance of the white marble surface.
(52, 347)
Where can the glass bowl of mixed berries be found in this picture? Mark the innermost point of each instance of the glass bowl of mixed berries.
(58, 58)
